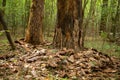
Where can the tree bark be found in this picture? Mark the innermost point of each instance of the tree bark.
(80, 23)
(63, 35)
(69, 25)
(3, 5)
(34, 34)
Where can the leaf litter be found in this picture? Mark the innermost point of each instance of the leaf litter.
(34, 62)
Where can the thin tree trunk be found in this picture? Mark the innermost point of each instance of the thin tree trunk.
(115, 20)
(89, 16)
(26, 15)
(80, 24)
(6, 30)
(3, 6)
(104, 15)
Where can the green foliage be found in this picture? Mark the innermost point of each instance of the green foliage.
(104, 35)
(17, 14)
(14, 12)
(50, 15)
(64, 79)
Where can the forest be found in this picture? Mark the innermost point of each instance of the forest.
(59, 39)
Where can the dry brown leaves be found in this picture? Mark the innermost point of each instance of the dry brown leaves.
(83, 65)
(39, 63)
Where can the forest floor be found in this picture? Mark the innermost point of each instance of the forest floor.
(42, 62)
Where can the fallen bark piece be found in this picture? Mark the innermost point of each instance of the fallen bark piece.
(109, 70)
(33, 59)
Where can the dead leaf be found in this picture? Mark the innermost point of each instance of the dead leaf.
(71, 58)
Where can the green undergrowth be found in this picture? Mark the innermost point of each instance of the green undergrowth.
(111, 49)
(3, 45)
(3, 41)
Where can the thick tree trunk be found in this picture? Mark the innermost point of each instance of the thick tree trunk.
(64, 28)
(69, 28)
(34, 34)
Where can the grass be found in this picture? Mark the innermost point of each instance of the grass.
(106, 47)
(3, 45)
(4, 41)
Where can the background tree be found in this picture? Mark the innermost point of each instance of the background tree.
(3, 11)
(34, 32)
(6, 29)
(104, 15)
(90, 18)
(115, 5)
(50, 11)
(114, 20)
(25, 15)
(118, 23)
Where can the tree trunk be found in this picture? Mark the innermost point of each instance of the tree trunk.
(34, 34)
(3, 5)
(6, 30)
(90, 17)
(26, 15)
(80, 13)
(115, 18)
(104, 15)
(69, 28)
(118, 19)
